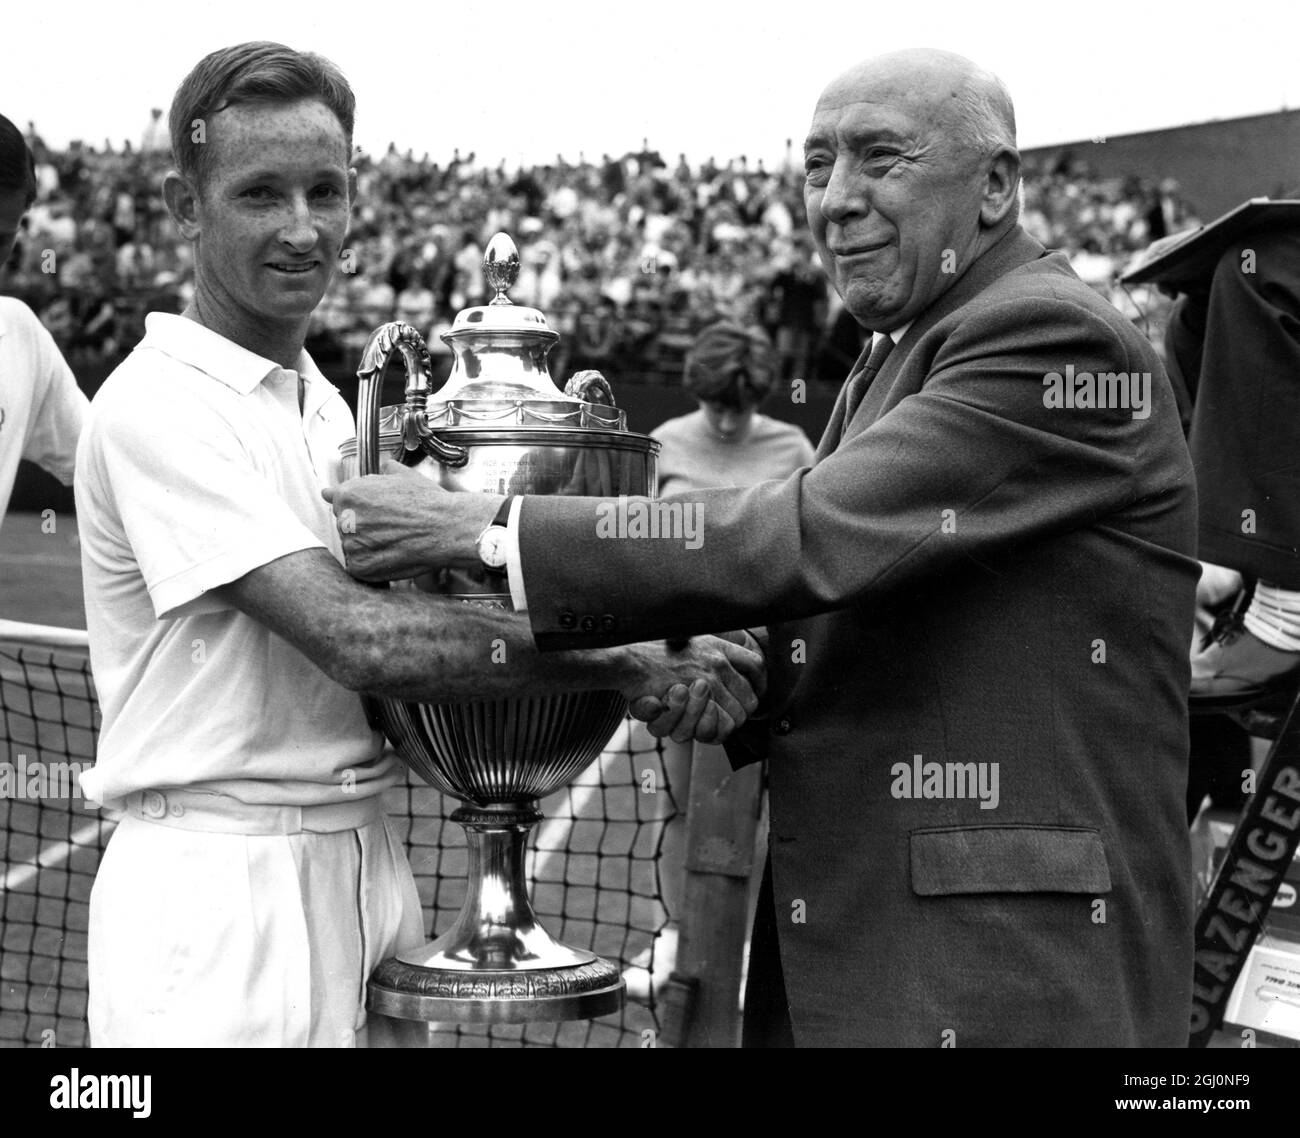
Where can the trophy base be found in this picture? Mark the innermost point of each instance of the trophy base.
(527, 995)
(496, 964)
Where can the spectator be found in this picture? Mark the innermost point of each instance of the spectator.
(730, 370)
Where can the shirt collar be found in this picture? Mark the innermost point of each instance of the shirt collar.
(895, 335)
(211, 353)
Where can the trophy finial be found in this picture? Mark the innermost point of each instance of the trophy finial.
(501, 267)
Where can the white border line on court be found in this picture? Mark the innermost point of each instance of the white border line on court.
(51, 637)
(54, 855)
(552, 837)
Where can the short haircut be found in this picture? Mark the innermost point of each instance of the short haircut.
(986, 116)
(17, 167)
(257, 72)
(985, 120)
(729, 363)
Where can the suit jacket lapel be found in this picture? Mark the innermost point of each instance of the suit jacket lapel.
(1015, 248)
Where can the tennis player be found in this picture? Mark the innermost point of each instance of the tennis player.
(253, 883)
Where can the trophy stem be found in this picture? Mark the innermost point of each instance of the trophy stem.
(496, 964)
(497, 927)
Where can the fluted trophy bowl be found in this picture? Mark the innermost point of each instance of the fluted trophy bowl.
(499, 426)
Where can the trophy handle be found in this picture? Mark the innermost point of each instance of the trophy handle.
(417, 438)
(590, 387)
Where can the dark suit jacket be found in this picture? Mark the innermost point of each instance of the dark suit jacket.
(970, 576)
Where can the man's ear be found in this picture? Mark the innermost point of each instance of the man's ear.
(352, 186)
(1001, 188)
(182, 203)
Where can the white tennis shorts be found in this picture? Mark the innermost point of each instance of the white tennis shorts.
(216, 924)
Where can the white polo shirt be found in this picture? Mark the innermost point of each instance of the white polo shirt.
(41, 407)
(196, 467)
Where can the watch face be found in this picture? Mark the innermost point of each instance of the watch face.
(491, 547)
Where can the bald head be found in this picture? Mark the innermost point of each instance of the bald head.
(973, 104)
(912, 174)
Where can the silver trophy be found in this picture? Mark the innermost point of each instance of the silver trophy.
(499, 425)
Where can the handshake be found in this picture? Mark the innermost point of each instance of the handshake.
(703, 689)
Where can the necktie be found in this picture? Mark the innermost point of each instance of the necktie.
(860, 382)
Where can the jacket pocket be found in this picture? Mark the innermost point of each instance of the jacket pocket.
(1008, 859)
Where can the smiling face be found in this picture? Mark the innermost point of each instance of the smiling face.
(893, 197)
(269, 219)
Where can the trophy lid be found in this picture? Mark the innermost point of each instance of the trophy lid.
(500, 314)
(500, 374)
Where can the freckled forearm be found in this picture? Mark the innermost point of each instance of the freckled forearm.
(413, 645)
(409, 645)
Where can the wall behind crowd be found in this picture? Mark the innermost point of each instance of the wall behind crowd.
(1222, 163)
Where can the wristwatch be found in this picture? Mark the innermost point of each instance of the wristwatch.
(492, 541)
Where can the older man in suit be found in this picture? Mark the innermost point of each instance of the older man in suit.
(978, 600)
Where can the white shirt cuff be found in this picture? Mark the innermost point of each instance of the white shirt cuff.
(514, 565)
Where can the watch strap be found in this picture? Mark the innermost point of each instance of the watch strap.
(501, 521)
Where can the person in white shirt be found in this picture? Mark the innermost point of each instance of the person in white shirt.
(41, 407)
(253, 883)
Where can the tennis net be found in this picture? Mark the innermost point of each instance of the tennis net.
(593, 864)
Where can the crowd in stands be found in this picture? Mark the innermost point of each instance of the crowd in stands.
(628, 257)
